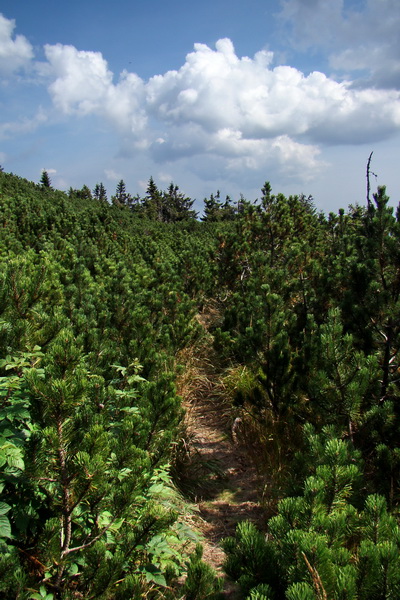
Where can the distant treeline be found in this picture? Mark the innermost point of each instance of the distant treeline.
(168, 206)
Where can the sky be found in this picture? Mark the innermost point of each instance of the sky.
(213, 95)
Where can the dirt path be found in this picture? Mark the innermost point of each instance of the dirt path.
(221, 479)
(228, 492)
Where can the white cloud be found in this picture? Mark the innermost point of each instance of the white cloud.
(14, 53)
(234, 154)
(245, 95)
(83, 85)
(241, 110)
(282, 155)
(364, 38)
(82, 79)
(244, 113)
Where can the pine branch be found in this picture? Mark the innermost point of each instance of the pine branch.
(319, 588)
(90, 543)
(80, 497)
(66, 528)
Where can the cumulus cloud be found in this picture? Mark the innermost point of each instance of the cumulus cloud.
(81, 79)
(246, 113)
(14, 52)
(217, 91)
(235, 154)
(282, 154)
(362, 40)
(83, 85)
(242, 110)
(214, 92)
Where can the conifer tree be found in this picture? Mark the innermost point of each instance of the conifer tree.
(176, 206)
(121, 198)
(45, 179)
(212, 208)
(99, 192)
(344, 378)
(228, 210)
(86, 470)
(320, 545)
(86, 437)
(95, 307)
(153, 204)
(84, 193)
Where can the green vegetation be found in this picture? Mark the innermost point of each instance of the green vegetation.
(97, 302)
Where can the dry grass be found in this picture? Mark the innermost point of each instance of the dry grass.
(209, 467)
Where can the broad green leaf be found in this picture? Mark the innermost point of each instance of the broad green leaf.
(73, 569)
(117, 525)
(4, 508)
(130, 409)
(153, 573)
(104, 519)
(5, 527)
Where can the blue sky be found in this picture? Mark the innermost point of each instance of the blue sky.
(218, 95)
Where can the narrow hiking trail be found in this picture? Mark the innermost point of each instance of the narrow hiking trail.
(223, 479)
(228, 493)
